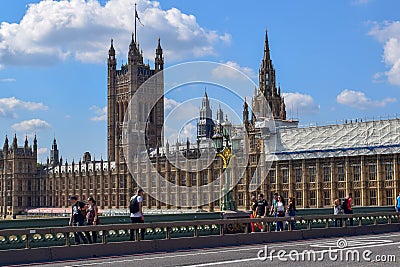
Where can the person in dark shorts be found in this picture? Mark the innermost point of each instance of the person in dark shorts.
(135, 208)
(262, 209)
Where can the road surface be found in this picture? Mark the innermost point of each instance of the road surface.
(367, 250)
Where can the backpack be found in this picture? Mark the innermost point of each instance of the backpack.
(344, 204)
(83, 209)
(134, 205)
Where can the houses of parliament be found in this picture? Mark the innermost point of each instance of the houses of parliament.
(314, 164)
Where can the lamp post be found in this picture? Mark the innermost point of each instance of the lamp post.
(225, 153)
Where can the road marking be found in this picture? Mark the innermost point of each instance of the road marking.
(276, 256)
(351, 242)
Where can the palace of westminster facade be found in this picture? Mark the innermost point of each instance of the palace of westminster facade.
(315, 164)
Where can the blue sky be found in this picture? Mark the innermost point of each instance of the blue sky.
(334, 60)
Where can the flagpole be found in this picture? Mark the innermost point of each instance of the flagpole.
(135, 21)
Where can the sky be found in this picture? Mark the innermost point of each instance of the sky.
(334, 60)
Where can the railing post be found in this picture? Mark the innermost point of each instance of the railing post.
(167, 233)
(308, 224)
(375, 220)
(221, 229)
(137, 235)
(67, 239)
(326, 223)
(359, 221)
(196, 231)
(104, 237)
(28, 242)
(344, 224)
(390, 219)
(246, 229)
(268, 224)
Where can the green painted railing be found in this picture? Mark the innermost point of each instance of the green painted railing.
(63, 236)
(63, 221)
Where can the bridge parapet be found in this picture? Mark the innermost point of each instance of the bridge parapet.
(61, 236)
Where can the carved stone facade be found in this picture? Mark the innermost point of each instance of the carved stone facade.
(367, 166)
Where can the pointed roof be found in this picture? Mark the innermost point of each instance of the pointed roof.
(159, 49)
(111, 51)
(15, 142)
(267, 55)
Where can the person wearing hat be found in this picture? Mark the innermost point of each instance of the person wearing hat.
(136, 213)
(77, 218)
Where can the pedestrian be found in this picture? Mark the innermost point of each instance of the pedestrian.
(77, 218)
(262, 209)
(92, 218)
(280, 211)
(291, 210)
(254, 214)
(398, 205)
(347, 206)
(135, 209)
(273, 205)
(337, 210)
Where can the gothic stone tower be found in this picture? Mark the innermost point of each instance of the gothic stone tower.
(267, 88)
(122, 85)
(18, 177)
(205, 126)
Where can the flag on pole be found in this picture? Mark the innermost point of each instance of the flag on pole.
(137, 16)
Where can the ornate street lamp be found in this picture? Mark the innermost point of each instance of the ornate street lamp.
(225, 153)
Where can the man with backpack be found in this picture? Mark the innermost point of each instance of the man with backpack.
(78, 216)
(136, 214)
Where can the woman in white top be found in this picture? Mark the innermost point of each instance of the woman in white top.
(337, 210)
(280, 211)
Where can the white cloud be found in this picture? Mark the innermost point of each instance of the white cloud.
(188, 131)
(7, 80)
(361, 2)
(358, 99)
(42, 150)
(9, 106)
(301, 103)
(232, 70)
(31, 125)
(388, 33)
(52, 31)
(170, 104)
(100, 113)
